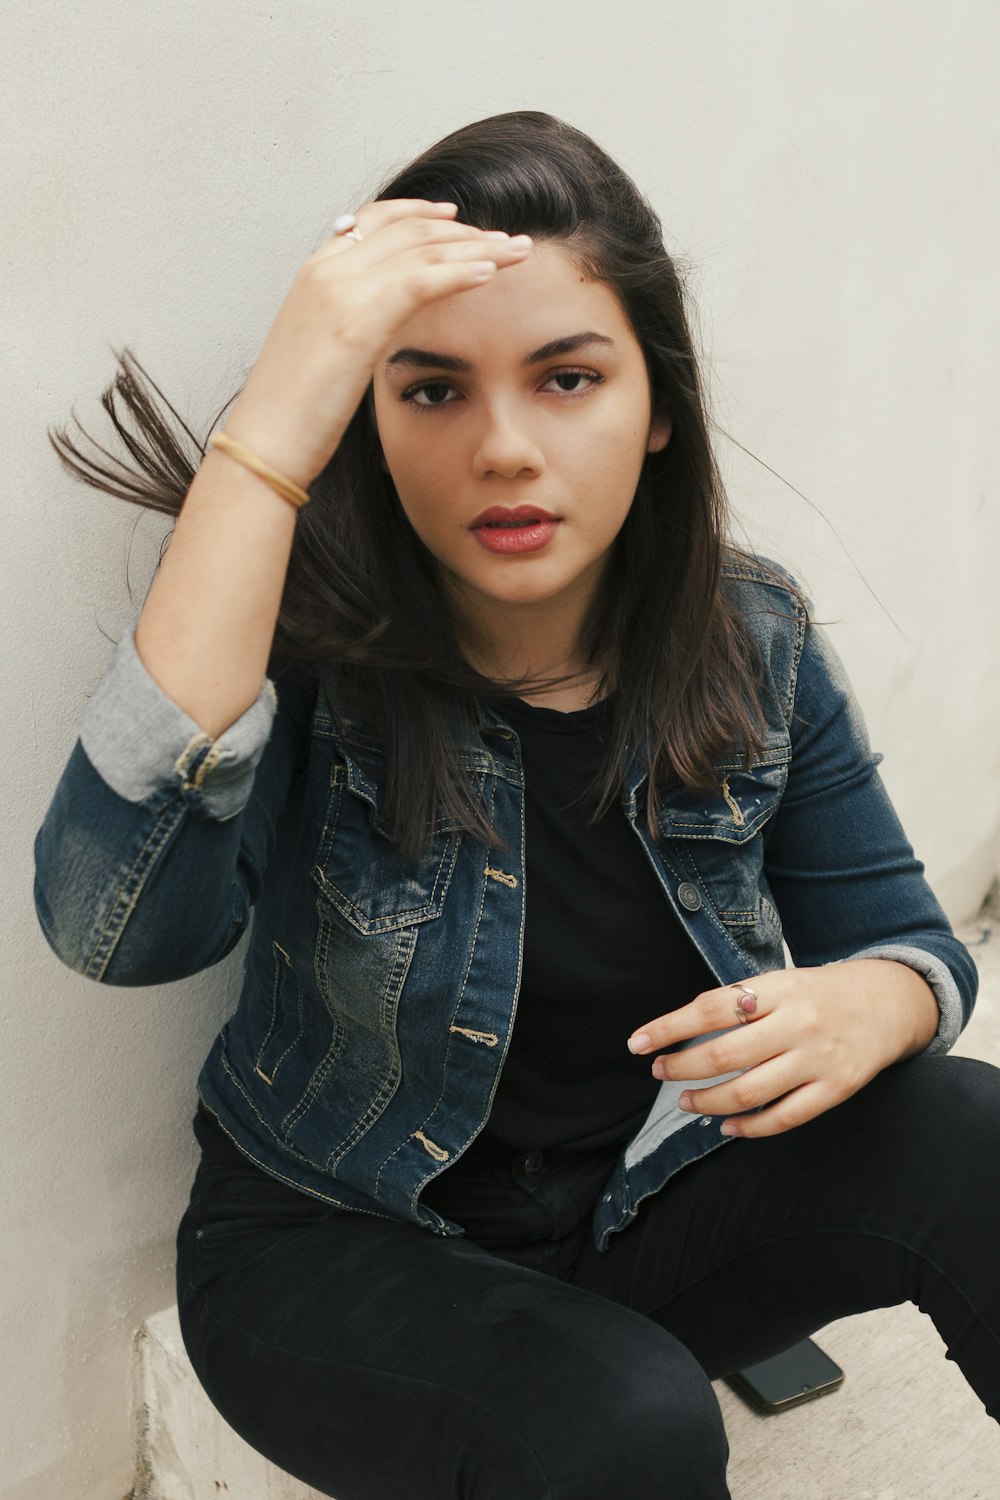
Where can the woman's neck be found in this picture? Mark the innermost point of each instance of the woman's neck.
(535, 642)
(568, 696)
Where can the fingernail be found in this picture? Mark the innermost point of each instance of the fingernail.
(728, 1128)
(684, 1102)
(639, 1042)
(496, 234)
(521, 239)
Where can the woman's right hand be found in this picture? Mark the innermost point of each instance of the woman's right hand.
(344, 305)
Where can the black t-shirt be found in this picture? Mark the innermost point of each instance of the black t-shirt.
(603, 953)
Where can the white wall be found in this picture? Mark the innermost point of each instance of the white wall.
(831, 176)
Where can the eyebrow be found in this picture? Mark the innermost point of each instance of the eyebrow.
(426, 359)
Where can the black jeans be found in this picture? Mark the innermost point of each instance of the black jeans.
(379, 1361)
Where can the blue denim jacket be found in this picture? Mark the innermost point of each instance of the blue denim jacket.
(378, 997)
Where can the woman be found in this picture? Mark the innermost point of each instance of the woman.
(534, 740)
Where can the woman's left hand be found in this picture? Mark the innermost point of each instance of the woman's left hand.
(816, 1037)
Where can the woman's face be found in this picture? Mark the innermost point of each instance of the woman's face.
(480, 414)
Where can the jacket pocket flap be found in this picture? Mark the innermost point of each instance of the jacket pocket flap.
(743, 802)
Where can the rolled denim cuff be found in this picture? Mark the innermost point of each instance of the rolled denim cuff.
(139, 741)
(942, 982)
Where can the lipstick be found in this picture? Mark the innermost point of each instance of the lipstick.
(505, 530)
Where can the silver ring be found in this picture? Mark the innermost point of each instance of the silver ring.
(745, 993)
(346, 225)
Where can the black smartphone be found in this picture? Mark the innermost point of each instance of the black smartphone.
(800, 1373)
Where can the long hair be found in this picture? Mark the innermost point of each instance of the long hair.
(362, 590)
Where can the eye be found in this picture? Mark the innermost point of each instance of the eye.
(589, 375)
(432, 388)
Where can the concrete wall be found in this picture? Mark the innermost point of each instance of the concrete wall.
(830, 176)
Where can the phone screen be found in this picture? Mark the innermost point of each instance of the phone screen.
(797, 1374)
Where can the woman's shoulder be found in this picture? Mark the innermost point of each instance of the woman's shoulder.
(774, 611)
(758, 584)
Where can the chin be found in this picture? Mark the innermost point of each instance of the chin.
(523, 590)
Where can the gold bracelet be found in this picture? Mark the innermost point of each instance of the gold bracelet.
(286, 488)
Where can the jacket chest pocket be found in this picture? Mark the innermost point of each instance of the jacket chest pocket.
(359, 871)
(722, 836)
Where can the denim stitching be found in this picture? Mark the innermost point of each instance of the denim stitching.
(296, 1039)
(125, 901)
(274, 1015)
(458, 1006)
(706, 906)
(405, 945)
(280, 1176)
(431, 909)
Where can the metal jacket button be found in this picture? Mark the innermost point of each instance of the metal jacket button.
(532, 1163)
(688, 896)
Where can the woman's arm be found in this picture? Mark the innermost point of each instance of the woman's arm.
(152, 851)
(879, 975)
(843, 874)
(208, 622)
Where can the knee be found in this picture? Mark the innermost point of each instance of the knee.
(951, 1114)
(636, 1416)
(931, 1163)
(667, 1435)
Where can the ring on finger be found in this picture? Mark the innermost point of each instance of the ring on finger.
(346, 226)
(746, 1003)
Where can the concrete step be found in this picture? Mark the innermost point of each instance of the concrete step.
(184, 1449)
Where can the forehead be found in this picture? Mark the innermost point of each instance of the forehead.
(524, 306)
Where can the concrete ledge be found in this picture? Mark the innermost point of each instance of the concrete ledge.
(184, 1449)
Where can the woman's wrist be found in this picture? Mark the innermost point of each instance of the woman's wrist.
(908, 1005)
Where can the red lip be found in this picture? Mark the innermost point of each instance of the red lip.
(505, 513)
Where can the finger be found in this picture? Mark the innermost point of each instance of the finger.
(431, 242)
(387, 233)
(406, 282)
(796, 1108)
(413, 248)
(752, 1089)
(712, 1010)
(416, 261)
(384, 211)
(731, 1051)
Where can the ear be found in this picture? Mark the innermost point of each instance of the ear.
(659, 435)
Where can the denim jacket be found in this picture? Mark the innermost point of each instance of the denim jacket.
(378, 997)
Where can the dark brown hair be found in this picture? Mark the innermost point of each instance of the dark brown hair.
(361, 588)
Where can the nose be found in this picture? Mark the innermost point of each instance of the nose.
(506, 447)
